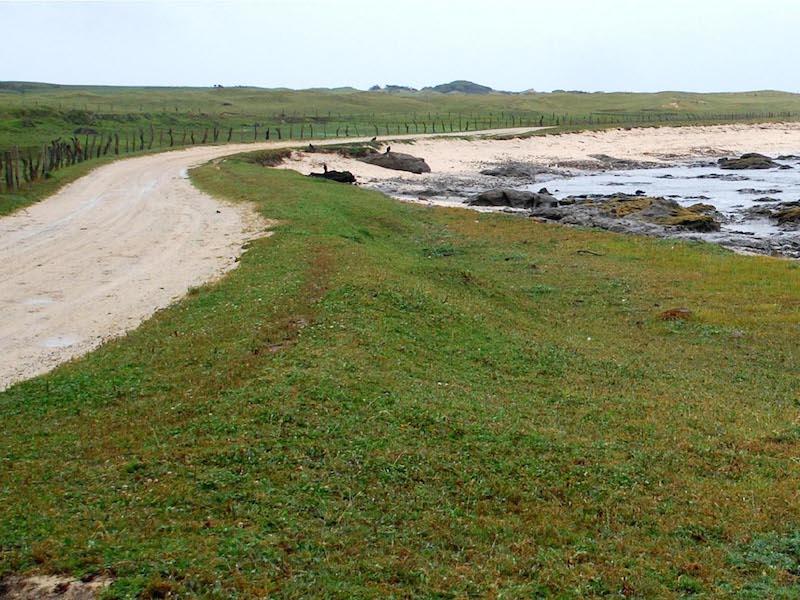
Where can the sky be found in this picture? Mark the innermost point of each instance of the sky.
(515, 45)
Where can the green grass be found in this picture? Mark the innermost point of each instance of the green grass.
(33, 114)
(387, 400)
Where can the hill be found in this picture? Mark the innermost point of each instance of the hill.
(460, 86)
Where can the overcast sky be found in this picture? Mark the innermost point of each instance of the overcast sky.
(630, 45)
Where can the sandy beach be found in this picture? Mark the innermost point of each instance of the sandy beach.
(459, 156)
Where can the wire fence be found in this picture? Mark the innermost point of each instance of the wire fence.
(23, 167)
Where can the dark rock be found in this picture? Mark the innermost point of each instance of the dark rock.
(397, 161)
(786, 213)
(758, 211)
(514, 199)
(637, 214)
(759, 192)
(338, 176)
(85, 131)
(723, 177)
(703, 208)
(766, 199)
(788, 157)
(789, 216)
(662, 211)
(748, 161)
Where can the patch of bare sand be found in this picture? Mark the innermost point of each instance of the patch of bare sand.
(52, 587)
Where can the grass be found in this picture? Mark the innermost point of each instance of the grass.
(32, 114)
(387, 400)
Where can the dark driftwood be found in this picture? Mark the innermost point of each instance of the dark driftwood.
(338, 176)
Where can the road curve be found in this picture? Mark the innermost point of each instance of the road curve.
(98, 257)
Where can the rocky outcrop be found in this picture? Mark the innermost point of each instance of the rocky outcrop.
(748, 161)
(515, 199)
(634, 214)
(617, 212)
(397, 161)
(787, 214)
(663, 211)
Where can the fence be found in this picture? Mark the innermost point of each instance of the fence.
(23, 167)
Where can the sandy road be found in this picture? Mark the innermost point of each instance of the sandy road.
(104, 253)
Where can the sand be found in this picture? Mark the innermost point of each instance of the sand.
(100, 256)
(661, 145)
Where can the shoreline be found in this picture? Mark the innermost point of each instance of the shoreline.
(459, 172)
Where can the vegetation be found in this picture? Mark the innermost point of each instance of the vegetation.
(386, 400)
(461, 87)
(33, 114)
(112, 121)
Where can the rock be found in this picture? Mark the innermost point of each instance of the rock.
(723, 177)
(514, 199)
(756, 192)
(766, 199)
(758, 211)
(662, 211)
(786, 213)
(615, 164)
(520, 170)
(788, 157)
(675, 314)
(789, 216)
(338, 176)
(748, 161)
(85, 131)
(631, 214)
(703, 208)
(397, 161)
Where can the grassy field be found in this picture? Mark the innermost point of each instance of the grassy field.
(387, 400)
(33, 114)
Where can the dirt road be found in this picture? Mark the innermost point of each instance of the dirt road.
(103, 254)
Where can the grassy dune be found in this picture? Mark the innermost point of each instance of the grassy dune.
(33, 114)
(386, 400)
